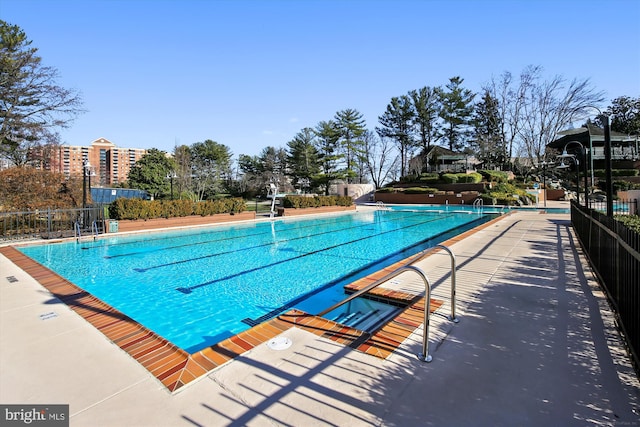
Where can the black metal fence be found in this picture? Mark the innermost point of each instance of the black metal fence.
(51, 223)
(614, 252)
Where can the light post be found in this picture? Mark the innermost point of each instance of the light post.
(544, 181)
(86, 167)
(170, 177)
(607, 166)
(583, 154)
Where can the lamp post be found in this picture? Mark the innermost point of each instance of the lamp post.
(86, 167)
(583, 154)
(170, 177)
(607, 166)
(544, 181)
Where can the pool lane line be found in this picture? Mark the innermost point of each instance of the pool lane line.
(190, 289)
(346, 218)
(353, 275)
(216, 231)
(262, 245)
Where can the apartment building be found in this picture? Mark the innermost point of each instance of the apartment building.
(108, 164)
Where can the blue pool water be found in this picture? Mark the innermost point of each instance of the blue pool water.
(199, 286)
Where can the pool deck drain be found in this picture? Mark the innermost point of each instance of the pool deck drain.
(175, 368)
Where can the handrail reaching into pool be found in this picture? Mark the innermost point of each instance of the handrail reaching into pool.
(94, 229)
(426, 252)
(77, 233)
(424, 356)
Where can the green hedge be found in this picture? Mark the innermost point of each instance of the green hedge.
(630, 221)
(495, 176)
(420, 190)
(386, 190)
(299, 202)
(149, 209)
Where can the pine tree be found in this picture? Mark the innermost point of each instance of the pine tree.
(350, 126)
(32, 106)
(489, 146)
(397, 124)
(456, 113)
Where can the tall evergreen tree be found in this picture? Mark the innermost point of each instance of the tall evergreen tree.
(456, 113)
(329, 156)
(32, 105)
(426, 105)
(350, 126)
(625, 115)
(302, 158)
(182, 158)
(272, 167)
(397, 124)
(488, 144)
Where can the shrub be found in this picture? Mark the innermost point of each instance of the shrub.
(300, 202)
(149, 209)
(429, 178)
(449, 178)
(386, 190)
(630, 221)
(495, 176)
(420, 190)
(473, 178)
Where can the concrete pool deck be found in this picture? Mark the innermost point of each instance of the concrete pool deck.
(536, 345)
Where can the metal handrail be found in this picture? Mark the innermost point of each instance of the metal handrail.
(426, 252)
(424, 356)
(77, 233)
(94, 229)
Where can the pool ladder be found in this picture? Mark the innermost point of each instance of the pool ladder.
(77, 230)
(424, 355)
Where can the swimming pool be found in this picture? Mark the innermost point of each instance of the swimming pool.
(196, 287)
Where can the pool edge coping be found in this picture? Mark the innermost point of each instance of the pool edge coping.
(176, 368)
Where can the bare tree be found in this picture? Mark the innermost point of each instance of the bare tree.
(381, 159)
(551, 106)
(510, 103)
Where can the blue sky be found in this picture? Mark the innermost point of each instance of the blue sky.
(251, 74)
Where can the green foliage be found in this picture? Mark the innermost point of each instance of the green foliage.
(420, 190)
(625, 115)
(456, 113)
(149, 209)
(630, 221)
(32, 106)
(429, 178)
(299, 202)
(503, 194)
(495, 176)
(472, 178)
(449, 178)
(150, 173)
(386, 190)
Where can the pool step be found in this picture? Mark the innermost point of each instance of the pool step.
(365, 321)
